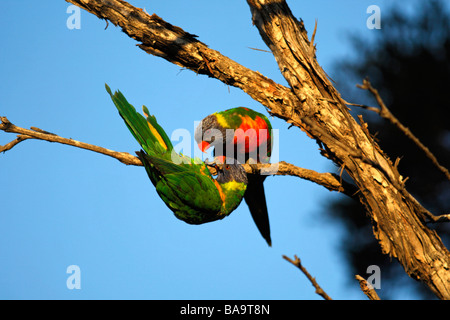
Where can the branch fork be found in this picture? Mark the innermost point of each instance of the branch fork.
(311, 103)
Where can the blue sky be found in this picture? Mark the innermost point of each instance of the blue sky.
(64, 206)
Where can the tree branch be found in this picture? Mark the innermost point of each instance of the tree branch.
(397, 217)
(366, 288)
(13, 143)
(385, 113)
(313, 104)
(328, 180)
(7, 126)
(313, 281)
(160, 38)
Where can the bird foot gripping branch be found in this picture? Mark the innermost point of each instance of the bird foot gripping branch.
(245, 135)
(190, 189)
(187, 188)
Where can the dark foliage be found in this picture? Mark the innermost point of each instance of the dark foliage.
(409, 63)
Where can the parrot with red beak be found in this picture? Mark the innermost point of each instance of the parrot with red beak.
(186, 186)
(245, 135)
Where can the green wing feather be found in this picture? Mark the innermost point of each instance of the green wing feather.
(135, 122)
(186, 187)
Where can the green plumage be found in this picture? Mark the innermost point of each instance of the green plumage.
(252, 142)
(236, 115)
(186, 186)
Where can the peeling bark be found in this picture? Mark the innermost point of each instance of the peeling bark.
(396, 215)
(314, 105)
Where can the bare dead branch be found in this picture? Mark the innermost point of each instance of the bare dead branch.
(312, 46)
(367, 289)
(262, 50)
(328, 180)
(7, 126)
(385, 113)
(313, 104)
(331, 181)
(13, 143)
(396, 216)
(313, 281)
(160, 38)
(439, 218)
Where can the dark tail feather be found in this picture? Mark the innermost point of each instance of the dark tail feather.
(256, 201)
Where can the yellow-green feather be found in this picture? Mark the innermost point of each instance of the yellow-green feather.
(186, 185)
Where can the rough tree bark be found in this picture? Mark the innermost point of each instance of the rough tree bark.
(313, 104)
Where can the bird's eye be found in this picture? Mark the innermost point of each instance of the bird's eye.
(227, 166)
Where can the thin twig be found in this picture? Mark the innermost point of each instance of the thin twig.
(368, 290)
(312, 48)
(313, 281)
(437, 219)
(385, 113)
(13, 143)
(262, 50)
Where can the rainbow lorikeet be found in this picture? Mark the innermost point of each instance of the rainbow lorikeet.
(245, 135)
(185, 185)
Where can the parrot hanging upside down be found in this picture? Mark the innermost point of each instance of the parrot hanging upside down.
(252, 143)
(185, 186)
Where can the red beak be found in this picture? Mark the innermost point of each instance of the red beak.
(204, 146)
